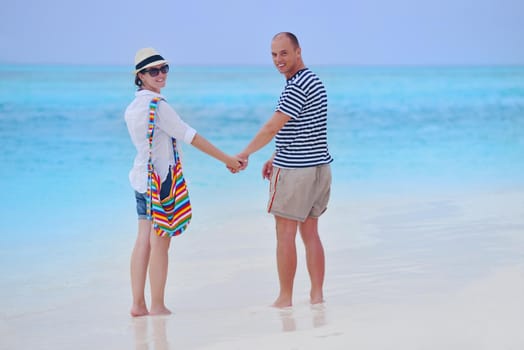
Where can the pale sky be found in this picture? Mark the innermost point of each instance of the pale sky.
(366, 32)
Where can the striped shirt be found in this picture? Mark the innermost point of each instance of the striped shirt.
(302, 142)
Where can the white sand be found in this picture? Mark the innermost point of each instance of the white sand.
(439, 272)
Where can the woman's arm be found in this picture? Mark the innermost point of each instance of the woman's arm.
(208, 148)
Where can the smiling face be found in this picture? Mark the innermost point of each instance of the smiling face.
(286, 56)
(155, 83)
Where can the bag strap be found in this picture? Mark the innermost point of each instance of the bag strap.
(150, 131)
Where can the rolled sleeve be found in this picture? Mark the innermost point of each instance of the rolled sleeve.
(190, 135)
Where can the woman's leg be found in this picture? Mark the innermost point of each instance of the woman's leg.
(139, 264)
(158, 267)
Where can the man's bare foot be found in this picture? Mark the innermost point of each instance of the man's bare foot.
(160, 311)
(316, 298)
(281, 303)
(137, 311)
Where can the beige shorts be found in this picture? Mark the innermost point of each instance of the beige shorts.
(299, 193)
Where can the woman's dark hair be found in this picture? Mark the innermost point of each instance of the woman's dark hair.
(138, 82)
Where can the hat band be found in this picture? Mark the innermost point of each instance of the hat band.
(148, 60)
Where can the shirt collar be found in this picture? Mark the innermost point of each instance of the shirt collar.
(145, 92)
(296, 75)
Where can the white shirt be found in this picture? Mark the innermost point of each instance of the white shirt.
(168, 124)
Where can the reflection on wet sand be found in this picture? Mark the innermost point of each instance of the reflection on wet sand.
(158, 338)
(288, 318)
(318, 313)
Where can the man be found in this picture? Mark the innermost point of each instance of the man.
(299, 170)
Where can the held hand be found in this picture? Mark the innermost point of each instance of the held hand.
(235, 164)
(267, 169)
(244, 158)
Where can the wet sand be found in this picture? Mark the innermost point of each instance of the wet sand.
(410, 272)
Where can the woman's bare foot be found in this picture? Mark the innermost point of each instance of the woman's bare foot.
(157, 311)
(281, 303)
(316, 298)
(137, 311)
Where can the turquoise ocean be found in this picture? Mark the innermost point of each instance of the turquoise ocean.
(65, 152)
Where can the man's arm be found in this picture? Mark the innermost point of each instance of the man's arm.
(267, 168)
(265, 134)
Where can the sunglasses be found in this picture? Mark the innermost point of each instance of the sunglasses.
(155, 71)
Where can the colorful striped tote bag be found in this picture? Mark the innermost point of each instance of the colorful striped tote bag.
(170, 215)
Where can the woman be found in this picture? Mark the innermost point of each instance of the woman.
(150, 250)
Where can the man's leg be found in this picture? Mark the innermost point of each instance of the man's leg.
(314, 257)
(286, 259)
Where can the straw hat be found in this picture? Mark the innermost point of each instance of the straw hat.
(147, 57)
